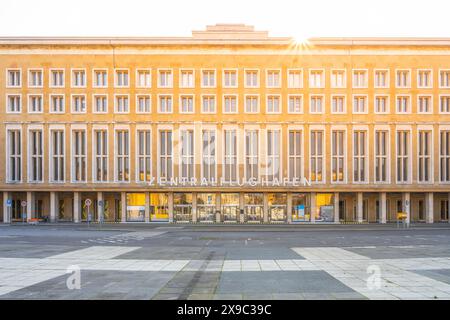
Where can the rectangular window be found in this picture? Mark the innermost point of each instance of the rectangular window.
(295, 155)
(208, 78)
(209, 104)
(143, 78)
(122, 78)
(424, 79)
(444, 156)
(381, 156)
(424, 156)
(14, 102)
(316, 156)
(100, 78)
(122, 104)
(251, 78)
(295, 78)
(165, 104)
(338, 104)
(230, 79)
(187, 79)
(57, 104)
(338, 156)
(229, 104)
(359, 156)
(78, 103)
(424, 104)
(273, 104)
(359, 104)
(209, 155)
(360, 79)
(79, 156)
(251, 155)
(14, 156)
(316, 79)
(122, 156)
(187, 104)
(35, 78)
(165, 154)
(57, 78)
(338, 78)
(101, 155)
(403, 104)
(316, 104)
(144, 159)
(295, 104)
(403, 79)
(273, 155)
(78, 78)
(381, 79)
(57, 156)
(444, 104)
(143, 103)
(251, 104)
(165, 79)
(381, 104)
(100, 103)
(273, 78)
(444, 78)
(403, 154)
(35, 103)
(14, 78)
(230, 156)
(187, 154)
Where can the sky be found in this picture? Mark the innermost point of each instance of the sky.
(299, 19)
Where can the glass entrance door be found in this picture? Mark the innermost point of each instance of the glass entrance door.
(230, 207)
(254, 207)
(182, 207)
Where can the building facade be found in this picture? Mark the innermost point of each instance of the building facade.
(229, 125)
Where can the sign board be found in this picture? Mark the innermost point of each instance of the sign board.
(301, 211)
(88, 202)
(23, 203)
(9, 203)
(401, 215)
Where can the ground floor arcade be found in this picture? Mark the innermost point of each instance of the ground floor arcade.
(225, 207)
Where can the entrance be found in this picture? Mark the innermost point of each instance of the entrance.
(230, 207)
(206, 207)
(254, 207)
(182, 207)
(277, 207)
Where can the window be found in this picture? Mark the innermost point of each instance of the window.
(165, 154)
(187, 79)
(273, 104)
(143, 103)
(316, 104)
(359, 156)
(100, 103)
(79, 156)
(57, 104)
(273, 79)
(14, 78)
(230, 156)
(143, 78)
(403, 105)
(295, 155)
(381, 79)
(208, 78)
(78, 103)
(251, 104)
(381, 104)
(424, 104)
(121, 104)
(444, 78)
(35, 103)
(402, 156)
(209, 155)
(230, 79)
(359, 104)
(14, 102)
(251, 78)
(100, 78)
(295, 78)
(251, 156)
(122, 79)
(338, 156)
(381, 156)
(57, 156)
(144, 162)
(229, 104)
(273, 155)
(100, 155)
(295, 104)
(424, 156)
(424, 79)
(444, 104)
(57, 78)
(338, 79)
(316, 79)
(14, 156)
(122, 155)
(165, 79)
(78, 78)
(187, 104)
(444, 156)
(338, 104)
(165, 104)
(35, 79)
(209, 104)
(402, 79)
(360, 79)
(316, 156)
(187, 154)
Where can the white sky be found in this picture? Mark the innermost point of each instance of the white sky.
(297, 18)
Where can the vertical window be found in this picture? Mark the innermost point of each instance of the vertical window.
(424, 155)
(14, 78)
(424, 104)
(14, 156)
(359, 156)
(444, 78)
(316, 156)
(122, 105)
(79, 156)
(187, 154)
(57, 103)
(337, 156)
(35, 78)
(165, 104)
(360, 79)
(251, 78)
(316, 79)
(35, 103)
(295, 155)
(122, 78)
(338, 104)
(229, 104)
(143, 78)
(424, 79)
(187, 104)
(143, 103)
(444, 156)
(57, 155)
(209, 155)
(381, 104)
(295, 78)
(230, 78)
(402, 79)
(251, 155)
(100, 78)
(402, 104)
(101, 155)
(122, 155)
(338, 79)
(144, 155)
(14, 102)
(209, 104)
(100, 103)
(78, 78)
(165, 154)
(316, 104)
(208, 78)
(295, 104)
(251, 104)
(359, 104)
(402, 156)
(381, 79)
(273, 78)
(230, 155)
(273, 155)
(165, 79)
(78, 103)
(57, 78)
(381, 156)
(187, 79)
(273, 104)
(444, 104)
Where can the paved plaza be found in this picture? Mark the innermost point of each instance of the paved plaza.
(224, 262)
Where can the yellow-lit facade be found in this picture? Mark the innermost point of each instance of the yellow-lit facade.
(227, 126)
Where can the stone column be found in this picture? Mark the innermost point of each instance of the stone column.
(241, 207)
(194, 207)
(147, 207)
(30, 205)
(265, 207)
(406, 202)
(76, 207)
(336, 207)
(100, 207)
(289, 207)
(429, 207)
(359, 207)
(54, 206)
(170, 205)
(313, 208)
(6, 209)
(448, 210)
(123, 201)
(218, 208)
(383, 211)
